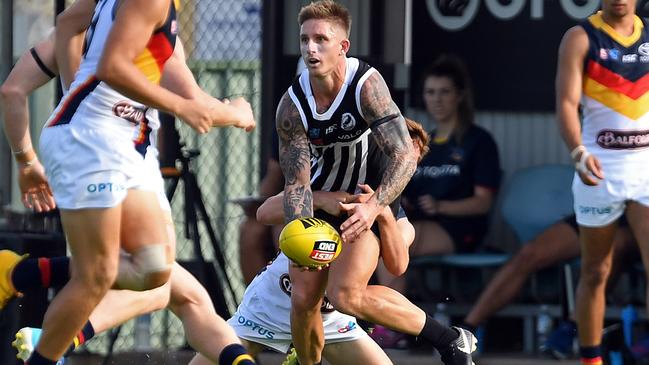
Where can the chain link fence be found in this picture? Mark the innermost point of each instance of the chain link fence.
(222, 40)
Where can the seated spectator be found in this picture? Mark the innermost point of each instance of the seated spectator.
(452, 192)
(453, 189)
(557, 243)
(258, 242)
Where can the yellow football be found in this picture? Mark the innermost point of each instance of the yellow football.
(310, 242)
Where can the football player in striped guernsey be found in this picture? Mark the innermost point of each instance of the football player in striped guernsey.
(325, 121)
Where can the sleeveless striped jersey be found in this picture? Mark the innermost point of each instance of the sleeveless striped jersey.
(615, 96)
(340, 137)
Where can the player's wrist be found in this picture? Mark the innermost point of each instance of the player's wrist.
(25, 157)
(580, 155)
(577, 152)
(28, 163)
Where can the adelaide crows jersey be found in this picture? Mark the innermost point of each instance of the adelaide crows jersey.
(96, 100)
(615, 96)
(340, 137)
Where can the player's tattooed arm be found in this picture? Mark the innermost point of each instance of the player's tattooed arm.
(391, 134)
(295, 160)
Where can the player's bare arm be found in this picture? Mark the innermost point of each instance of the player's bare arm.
(570, 69)
(391, 134)
(270, 212)
(295, 161)
(178, 78)
(396, 236)
(25, 77)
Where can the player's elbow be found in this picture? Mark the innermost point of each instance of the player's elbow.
(262, 215)
(266, 216)
(109, 69)
(10, 93)
(105, 71)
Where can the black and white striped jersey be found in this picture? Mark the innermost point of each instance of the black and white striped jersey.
(340, 137)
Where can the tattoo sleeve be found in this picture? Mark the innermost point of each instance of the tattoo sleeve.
(295, 160)
(391, 134)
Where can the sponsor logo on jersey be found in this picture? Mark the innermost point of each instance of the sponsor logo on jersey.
(594, 210)
(346, 137)
(643, 49)
(285, 284)
(618, 140)
(104, 187)
(314, 132)
(439, 171)
(323, 251)
(630, 58)
(133, 114)
(347, 122)
(603, 54)
(256, 327)
(331, 129)
(174, 27)
(349, 327)
(614, 53)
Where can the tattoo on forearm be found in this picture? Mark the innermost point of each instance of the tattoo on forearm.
(391, 136)
(394, 140)
(298, 202)
(295, 161)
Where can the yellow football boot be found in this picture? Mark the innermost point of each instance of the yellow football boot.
(8, 261)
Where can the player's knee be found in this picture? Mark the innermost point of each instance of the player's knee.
(160, 296)
(96, 279)
(145, 269)
(594, 275)
(527, 259)
(346, 300)
(192, 294)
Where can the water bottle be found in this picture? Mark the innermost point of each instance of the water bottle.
(543, 325)
(441, 315)
(143, 332)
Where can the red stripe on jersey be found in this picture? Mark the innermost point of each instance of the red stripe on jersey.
(160, 48)
(616, 82)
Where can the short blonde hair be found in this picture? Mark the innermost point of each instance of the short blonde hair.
(326, 10)
(419, 136)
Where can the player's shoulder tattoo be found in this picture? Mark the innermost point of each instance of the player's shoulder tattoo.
(294, 149)
(287, 119)
(375, 99)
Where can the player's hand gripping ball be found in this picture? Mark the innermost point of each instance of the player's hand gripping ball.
(310, 242)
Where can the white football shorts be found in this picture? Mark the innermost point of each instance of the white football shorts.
(601, 205)
(94, 168)
(338, 327)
